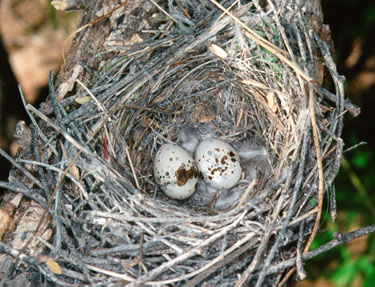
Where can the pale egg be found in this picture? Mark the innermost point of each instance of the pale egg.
(175, 171)
(218, 163)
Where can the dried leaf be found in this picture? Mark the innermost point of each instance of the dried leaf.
(82, 100)
(53, 266)
(74, 171)
(68, 84)
(216, 50)
(5, 220)
(271, 102)
(253, 83)
(206, 119)
(136, 39)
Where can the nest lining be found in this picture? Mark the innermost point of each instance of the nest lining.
(116, 224)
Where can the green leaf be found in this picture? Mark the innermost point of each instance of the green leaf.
(361, 158)
(312, 202)
(345, 273)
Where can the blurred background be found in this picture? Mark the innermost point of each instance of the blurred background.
(32, 39)
(33, 35)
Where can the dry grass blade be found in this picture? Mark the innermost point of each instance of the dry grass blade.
(265, 44)
(320, 169)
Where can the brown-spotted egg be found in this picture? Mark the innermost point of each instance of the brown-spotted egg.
(175, 171)
(218, 163)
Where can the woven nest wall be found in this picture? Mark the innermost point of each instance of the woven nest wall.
(251, 77)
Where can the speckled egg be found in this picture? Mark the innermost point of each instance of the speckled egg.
(175, 171)
(218, 163)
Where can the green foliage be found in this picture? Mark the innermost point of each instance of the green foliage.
(345, 273)
(348, 270)
(53, 17)
(313, 202)
(369, 16)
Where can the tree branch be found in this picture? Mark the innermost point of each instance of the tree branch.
(339, 238)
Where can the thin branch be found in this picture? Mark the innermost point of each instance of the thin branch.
(320, 168)
(21, 168)
(340, 238)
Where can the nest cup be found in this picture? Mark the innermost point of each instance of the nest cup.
(207, 72)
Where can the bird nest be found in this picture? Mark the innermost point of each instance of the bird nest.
(248, 75)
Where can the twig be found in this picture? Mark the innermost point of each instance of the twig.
(320, 168)
(292, 203)
(51, 91)
(29, 193)
(332, 203)
(59, 130)
(21, 168)
(320, 178)
(33, 120)
(245, 195)
(354, 146)
(53, 168)
(162, 10)
(351, 108)
(36, 150)
(193, 252)
(132, 167)
(301, 273)
(340, 238)
(263, 245)
(110, 273)
(100, 106)
(140, 258)
(264, 43)
(57, 209)
(226, 260)
(226, 257)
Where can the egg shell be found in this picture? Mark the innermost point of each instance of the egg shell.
(175, 171)
(218, 163)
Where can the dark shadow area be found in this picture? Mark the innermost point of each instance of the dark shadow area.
(11, 108)
(350, 22)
